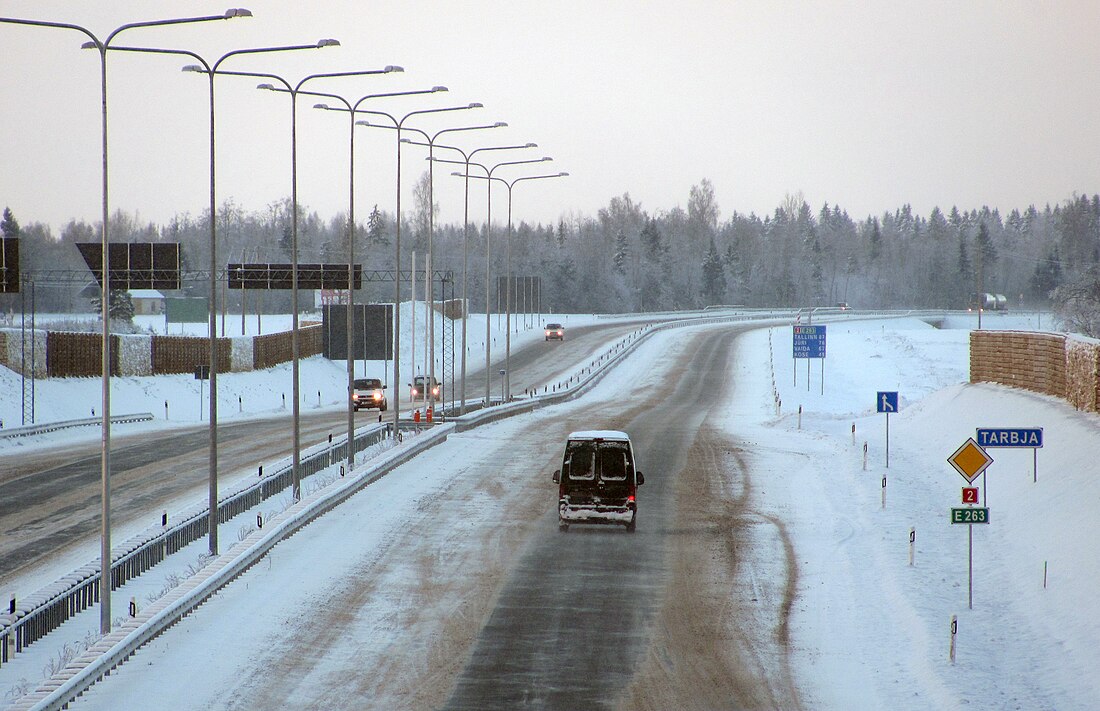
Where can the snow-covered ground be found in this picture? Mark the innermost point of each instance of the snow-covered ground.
(323, 382)
(868, 630)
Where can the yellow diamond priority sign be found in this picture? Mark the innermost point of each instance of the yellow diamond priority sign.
(970, 460)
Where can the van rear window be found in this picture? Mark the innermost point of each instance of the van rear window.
(611, 460)
(613, 463)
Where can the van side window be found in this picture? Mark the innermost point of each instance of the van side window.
(580, 461)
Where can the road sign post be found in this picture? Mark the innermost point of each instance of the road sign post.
(887, 402)
(1014, 437)
(809, 342)
(970, 460)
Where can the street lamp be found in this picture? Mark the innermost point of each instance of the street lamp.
(105, 292)
(351, 109)
(488, 233)
(466, 158)
(398, 124)
(508, 266)
(429, 345)
(210, 70)
(293, 91)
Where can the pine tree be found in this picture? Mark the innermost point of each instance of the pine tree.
(651, 240)
(9, 227)
(376, 229)
(714, 277)
(1047, 276)
(622, 252)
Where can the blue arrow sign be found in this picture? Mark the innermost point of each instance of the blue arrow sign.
(1010, 437)
(886, 401)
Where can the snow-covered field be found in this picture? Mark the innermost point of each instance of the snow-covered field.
(868, 630)
(323, 382)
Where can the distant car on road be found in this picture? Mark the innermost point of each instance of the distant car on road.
(555, 331)
(368, 392)
(420, 386)
(597, 482)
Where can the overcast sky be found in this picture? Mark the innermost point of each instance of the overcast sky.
(868, 105)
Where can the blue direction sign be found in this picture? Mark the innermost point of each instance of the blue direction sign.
(1010, 437)
(809, 341)
(886, 401)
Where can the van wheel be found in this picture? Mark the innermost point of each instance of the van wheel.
(563, 526)
(630, 527)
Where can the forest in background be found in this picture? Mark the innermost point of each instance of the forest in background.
(630, 258)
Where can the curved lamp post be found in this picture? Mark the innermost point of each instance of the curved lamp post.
(352, 109)
(398, 124)
(293, 90)
(210, 69)
(466, 159)
(105, 292)
(488, 234)
(508, 266)
(429, 345)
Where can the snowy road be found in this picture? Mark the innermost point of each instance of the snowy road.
(778, 572)
(49, 498)
(448, 584)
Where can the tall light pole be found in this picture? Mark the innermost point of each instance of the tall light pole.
(488, 240)
(466, 158)
(351, 109)
(431, 142)
(508, 270)
(105, 292)
(398, 124)
(210, 69)
(293, 91)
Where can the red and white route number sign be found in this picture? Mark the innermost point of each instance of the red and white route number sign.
(970, 495)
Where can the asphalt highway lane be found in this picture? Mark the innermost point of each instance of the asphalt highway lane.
(574, 621)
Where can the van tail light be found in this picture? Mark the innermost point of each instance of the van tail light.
(630, 498)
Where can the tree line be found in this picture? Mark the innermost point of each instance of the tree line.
(627, 258)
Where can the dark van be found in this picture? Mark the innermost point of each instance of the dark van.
(597, 482)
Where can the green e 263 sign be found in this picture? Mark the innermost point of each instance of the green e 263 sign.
(970, 515)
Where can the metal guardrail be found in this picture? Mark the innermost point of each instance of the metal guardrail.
(30, 430)
(49, 608)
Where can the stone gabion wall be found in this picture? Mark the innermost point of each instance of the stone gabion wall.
(135, 355)
(1083, 374)
(13, 356)
(1055, 364)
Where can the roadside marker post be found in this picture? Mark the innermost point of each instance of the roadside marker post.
(954, 633)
